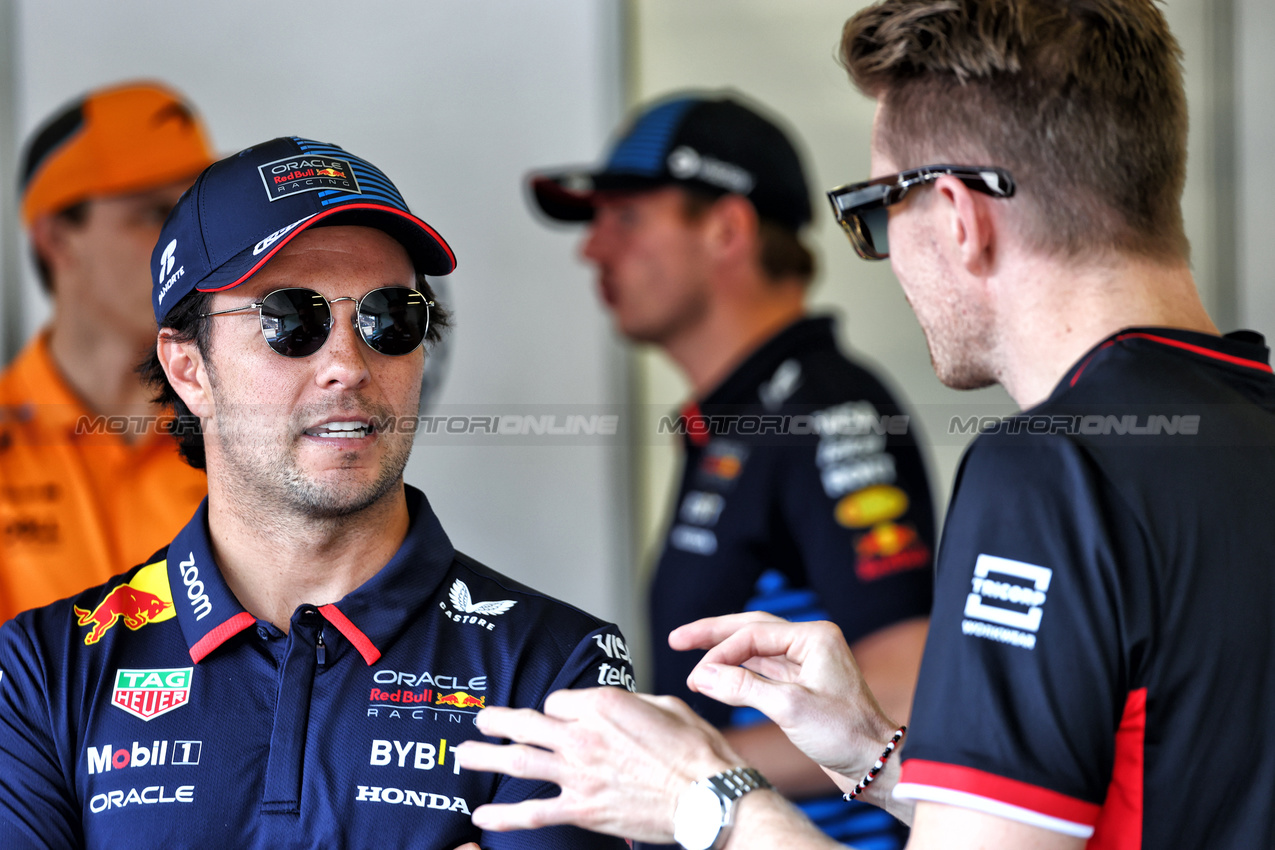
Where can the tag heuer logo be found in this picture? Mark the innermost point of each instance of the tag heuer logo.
(149, 693)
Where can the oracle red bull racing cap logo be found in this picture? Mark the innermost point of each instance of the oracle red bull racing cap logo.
(149, 693)
(146, 599)
(307, 173)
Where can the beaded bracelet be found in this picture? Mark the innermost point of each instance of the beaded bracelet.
(876, 768)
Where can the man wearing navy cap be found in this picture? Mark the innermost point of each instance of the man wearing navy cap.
(298, 664)
(803, 491)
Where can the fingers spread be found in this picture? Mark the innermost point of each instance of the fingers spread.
(711, 631)
(529, 814)
(524, 725)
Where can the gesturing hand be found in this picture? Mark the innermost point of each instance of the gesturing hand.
(621, 760)
(800, 675)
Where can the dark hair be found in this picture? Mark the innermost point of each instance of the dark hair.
(189, 324)
(781, 252)
(75, 214)
(1082, 101)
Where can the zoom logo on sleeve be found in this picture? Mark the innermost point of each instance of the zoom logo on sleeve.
(1006, 601)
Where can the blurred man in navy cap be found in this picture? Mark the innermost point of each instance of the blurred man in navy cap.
(803, 491)
(90, 486)
(297, 665)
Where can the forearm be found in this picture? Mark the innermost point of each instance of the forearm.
(765, 820)
(765, 747)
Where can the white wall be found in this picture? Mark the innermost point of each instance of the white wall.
(1255, 160)
(455, 101)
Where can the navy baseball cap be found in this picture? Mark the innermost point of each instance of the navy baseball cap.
(710, 143)
(244, 208)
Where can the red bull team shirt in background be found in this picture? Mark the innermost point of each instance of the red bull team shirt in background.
(154, 711)
(803, 493)
(1100, 653)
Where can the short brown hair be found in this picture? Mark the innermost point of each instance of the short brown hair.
(1081, 100)
(781, 253)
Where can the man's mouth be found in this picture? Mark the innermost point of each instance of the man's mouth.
(341, 430)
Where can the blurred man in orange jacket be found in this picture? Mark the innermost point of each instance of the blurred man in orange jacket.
(88, 483)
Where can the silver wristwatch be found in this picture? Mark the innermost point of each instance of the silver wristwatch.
(706, 810)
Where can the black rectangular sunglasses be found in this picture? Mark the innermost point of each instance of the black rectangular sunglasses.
(860, 208)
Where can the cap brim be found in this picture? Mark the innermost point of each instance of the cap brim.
(428, 251)
(572, 195)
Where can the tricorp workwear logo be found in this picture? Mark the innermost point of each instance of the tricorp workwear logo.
(145, 599)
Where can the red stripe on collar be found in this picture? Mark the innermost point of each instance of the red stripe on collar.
(220, 635)
(343, 625)
(696, 427)
(1185, 346)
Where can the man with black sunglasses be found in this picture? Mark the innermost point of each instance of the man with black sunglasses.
(297, 666)
(1097, 671)
(803, 490)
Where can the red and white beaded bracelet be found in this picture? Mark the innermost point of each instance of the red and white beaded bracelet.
(876, 768)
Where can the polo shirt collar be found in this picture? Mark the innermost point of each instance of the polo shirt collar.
(369, 617)
(739, 388)
(1242, 350)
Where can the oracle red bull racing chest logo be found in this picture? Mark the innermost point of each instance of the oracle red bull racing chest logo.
(307, 173)
(143, 600)
(149, 693)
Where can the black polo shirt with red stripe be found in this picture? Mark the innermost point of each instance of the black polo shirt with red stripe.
(155, 711)
(1100, 654)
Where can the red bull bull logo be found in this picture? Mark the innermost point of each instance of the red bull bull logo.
(330, 172)
(460, 699)
(889, 548)
(145, 599)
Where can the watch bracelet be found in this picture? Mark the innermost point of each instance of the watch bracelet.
(738, 781)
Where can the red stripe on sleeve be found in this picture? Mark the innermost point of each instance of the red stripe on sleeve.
(993, 787)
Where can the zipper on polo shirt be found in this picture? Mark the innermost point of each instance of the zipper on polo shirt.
(303, 654)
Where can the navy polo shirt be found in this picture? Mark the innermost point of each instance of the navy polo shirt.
(803, 493)
(1100, 653)
(155, 711)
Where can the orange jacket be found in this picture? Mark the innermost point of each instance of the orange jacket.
(77, 503)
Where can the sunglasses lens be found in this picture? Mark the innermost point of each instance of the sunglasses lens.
(875, 232)
(295, 322)
(393, 320)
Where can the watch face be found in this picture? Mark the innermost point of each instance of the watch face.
(697, 818)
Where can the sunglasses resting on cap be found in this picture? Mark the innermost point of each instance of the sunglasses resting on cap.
(860, 208)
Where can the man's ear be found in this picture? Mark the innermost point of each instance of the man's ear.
(184, 365)
(972, 226)
(49, 240)
(732, 229)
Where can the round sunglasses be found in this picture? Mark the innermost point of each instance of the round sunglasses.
(296, 322)
(860, 208)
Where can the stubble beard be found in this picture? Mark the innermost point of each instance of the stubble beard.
(247, 439)
(961, 343)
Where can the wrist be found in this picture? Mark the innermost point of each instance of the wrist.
(705, 811)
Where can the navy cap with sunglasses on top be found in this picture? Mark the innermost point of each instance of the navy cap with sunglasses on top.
(243, 209)
(713, 144)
